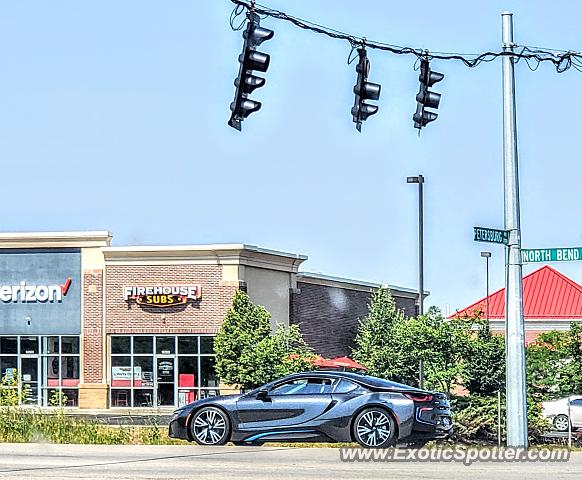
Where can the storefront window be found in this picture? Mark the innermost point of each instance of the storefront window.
(144, 376)
(47, 368)
(8, 345)
(28, 345)
(120, 397)
(207, 375)
(143, 372)
(165, 345)
(188, 345)
(70, 345)
(120, 345)
(207, 345)
(143, 344)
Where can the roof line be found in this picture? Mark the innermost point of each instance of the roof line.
(544, 267)
(321, 276)
(563, 277)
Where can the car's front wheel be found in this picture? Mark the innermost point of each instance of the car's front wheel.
(561, 423)
(374, 427)
(210, 426)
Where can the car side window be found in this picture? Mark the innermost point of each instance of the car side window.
(577, 402)
(303, 386)
(345, 386)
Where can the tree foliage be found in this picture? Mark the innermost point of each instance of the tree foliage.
(247, 355)
(391, 346)
(554, 364)
(485, 360)
(375, 346)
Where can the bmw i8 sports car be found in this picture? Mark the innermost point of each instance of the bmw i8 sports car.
(318, 406)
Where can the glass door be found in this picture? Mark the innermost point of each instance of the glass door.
(166, 380)
(29, 374)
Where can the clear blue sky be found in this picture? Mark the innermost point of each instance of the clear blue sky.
(113, 116)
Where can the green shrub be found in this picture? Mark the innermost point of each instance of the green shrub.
(475, 419)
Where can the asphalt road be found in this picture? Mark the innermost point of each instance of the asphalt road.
(40, 461)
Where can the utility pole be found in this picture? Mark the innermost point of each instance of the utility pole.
(516, 416)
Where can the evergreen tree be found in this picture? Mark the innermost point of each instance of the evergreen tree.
(244, 327)
(374, 344)
(248, 355)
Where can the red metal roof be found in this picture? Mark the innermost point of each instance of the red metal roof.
(546, 294)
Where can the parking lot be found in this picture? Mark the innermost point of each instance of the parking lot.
(24, 461)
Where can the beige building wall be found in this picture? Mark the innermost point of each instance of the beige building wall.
(270, 288)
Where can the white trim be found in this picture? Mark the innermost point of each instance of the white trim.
(540, 324)
(195, 249)
(350, 284)
(93, 238)
(222, 254)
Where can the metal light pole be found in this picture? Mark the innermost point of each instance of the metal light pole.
(487, 256)
(516, 416)
(420, 180)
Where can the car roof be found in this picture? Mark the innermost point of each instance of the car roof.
(360, 378)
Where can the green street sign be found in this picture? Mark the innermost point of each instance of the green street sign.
(531, 255)
(491, 235)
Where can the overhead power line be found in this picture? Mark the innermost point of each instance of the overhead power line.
(561, 59)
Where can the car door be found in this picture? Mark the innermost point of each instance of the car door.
(291, 403)
(576, 412)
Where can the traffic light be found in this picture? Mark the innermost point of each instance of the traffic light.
(426, 98)
(250, 59)
(364, 90)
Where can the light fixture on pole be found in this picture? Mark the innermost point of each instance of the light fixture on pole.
(487, 256)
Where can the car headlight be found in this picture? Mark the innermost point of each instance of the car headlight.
(176, 414)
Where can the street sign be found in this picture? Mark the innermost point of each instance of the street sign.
(531, 255)
(491, 235)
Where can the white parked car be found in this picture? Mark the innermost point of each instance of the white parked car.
(556, 412)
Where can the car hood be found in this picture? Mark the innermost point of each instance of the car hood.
(222, 399)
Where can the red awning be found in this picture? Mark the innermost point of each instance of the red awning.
(340, 362)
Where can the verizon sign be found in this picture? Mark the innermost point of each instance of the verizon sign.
(24, 293)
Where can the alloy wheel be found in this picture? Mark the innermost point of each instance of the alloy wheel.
(561, 423)
(374, 428)
(210, 427)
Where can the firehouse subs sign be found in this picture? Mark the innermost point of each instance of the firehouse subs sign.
(163, 295)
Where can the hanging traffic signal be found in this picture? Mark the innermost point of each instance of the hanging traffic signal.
(426, 98)
(364, 90)
(250, 59)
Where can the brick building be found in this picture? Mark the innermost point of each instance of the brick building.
(95, 326)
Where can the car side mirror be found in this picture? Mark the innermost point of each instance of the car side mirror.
(263, 394)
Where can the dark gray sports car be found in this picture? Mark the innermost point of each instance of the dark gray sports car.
(318, 406)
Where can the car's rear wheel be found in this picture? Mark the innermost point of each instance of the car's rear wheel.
(561, 423)
(210, 426)
(374, 427)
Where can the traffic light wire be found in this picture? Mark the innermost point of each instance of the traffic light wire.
(533, 56)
